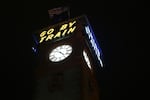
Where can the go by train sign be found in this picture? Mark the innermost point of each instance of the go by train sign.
(62, 31)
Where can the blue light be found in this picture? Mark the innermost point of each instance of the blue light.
(34, 50)
(94, 43)
(35, 39)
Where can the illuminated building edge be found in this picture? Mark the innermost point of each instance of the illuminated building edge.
(94, 45)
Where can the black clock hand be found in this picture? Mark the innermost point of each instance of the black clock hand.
(62, 53)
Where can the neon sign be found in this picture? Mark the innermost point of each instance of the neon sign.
(93, 43)
(51, 33)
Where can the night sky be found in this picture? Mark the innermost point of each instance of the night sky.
(114, 23)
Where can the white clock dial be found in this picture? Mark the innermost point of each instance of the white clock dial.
(60, 53)
(86, 58)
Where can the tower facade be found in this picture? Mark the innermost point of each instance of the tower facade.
(68, 56)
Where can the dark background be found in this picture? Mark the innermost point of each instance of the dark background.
(114, 23)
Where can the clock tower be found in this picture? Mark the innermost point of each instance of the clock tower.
(68, 56)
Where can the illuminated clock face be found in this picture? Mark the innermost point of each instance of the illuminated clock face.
(86, 58)
(60, 53)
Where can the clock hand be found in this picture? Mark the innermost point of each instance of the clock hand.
(62, 53)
